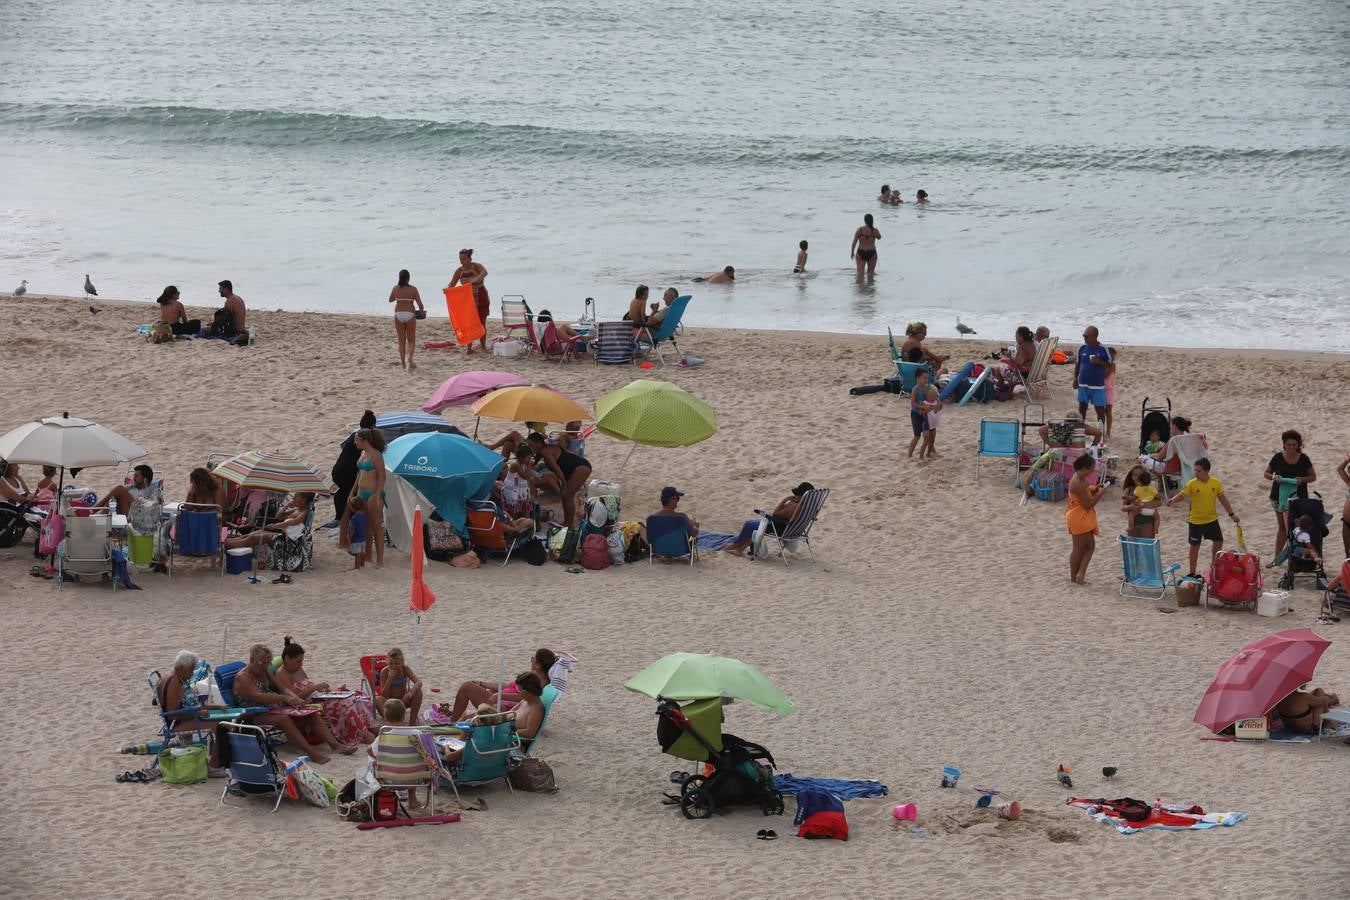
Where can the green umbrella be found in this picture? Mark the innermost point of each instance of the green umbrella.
(700, 676)
(655, 413)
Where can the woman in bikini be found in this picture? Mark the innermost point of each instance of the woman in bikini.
(567, 473)
(1302, 710)
(398, 682)
(404, 297)
(863, 251)
(370, 475)
(470, 272)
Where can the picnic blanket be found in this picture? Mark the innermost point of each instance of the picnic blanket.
(841, 788)
(1170, 817)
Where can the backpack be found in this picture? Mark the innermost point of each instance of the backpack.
(595, 551)
(533, 552)
(222, 323)
(1236, 577)
(637, 549)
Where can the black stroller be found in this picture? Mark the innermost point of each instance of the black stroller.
(15, 520)
(738, 772)
(1154, 418)
(1299, 567)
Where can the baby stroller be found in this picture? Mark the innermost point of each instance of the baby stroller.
(738, 772)
(1299, 567)
(1157, 419)
(14, 523)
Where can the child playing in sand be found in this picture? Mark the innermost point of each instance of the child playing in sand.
(1139, 501)
(800, 265)
(356, 531)
(1301, 540)
(931, 406)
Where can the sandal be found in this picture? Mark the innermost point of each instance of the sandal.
(283, 578)
(767, 834)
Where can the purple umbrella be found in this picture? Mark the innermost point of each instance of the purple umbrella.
(466, 387)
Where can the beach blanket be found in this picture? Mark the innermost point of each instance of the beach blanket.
(711, 541)
(1170, 817)
(841, 788)
(1329, 730)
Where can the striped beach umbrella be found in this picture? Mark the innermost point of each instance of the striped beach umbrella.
(655, 413)
(1263, 673)
(272, 470)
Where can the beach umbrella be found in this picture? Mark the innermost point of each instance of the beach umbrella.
(701, 676)
(67, 442)
(466, 387)
(531, 403)
(1262, 674)
(655, 413)
(397, 424)
(447, 469)
(272, 470)
(420, 597)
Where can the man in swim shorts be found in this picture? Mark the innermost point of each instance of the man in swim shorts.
(1089, 374)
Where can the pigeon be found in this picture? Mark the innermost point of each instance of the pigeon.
(21, 289)
(963, 328)
(94, 310)
(89, 287)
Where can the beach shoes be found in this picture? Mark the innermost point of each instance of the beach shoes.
(767, 834)
(283, 578)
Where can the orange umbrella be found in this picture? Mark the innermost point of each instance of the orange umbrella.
(421, 597)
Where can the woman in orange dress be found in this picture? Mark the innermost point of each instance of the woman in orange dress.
(1081, 517)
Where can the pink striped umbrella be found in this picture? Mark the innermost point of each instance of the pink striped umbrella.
(1263, 673)
(467, 387)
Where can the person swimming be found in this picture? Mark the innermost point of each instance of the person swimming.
(800, 265)
(885, 195)
(921, 197)
(726, 276)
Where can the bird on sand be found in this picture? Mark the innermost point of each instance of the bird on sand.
(963, 328)
(21, 289)
(94, 310)
(89, 287)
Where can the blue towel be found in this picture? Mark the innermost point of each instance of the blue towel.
(198, 533)
(711, 541)
(841, 788)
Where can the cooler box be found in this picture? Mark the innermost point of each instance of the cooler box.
(141, 549)
(239, 560)
(1272, 604)
(508, 348)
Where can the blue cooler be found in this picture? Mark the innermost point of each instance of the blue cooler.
(239, 561)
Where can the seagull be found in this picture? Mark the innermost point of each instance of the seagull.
(94, 310)
(21, 289)
(89, 287)
(963, 328)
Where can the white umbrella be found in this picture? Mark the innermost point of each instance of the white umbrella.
(68, 443)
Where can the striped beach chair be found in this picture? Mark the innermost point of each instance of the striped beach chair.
(798, 527)
(400, 765)
(614, 344)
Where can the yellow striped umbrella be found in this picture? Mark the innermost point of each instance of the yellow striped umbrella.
(655, 413)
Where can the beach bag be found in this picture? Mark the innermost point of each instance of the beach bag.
(183, 765)
(353, 800)
(161, 333)
(222, 323)
(595, 551)
(597, 513)
(52, 532)
(637, 549)
(616, 548)
(562, 547)
(441, 540)
(893, 385)
(533, 775)
(303, 783)
(1236, 577)
(533, 552)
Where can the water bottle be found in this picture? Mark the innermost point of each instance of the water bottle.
(252, 335)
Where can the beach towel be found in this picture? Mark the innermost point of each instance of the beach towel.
(711, 541)
(1170, 817)
(820, 814)
(1329, 730)
(841, 788)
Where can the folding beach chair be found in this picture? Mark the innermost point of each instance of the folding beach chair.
(400, 765)
(1000, 438)
(1142, 573)
(196, 533)
(907, 372)
(1037, 379)
(516, 315)
(294, 554)
(649, 340)
(486, 532)
(614, 344)
(552, 344)
(491, 749)
(1179, 462)
(671, 537)
(798, 527)
(254, 767)
(87, 548)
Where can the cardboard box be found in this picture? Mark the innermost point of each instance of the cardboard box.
(1252, 729)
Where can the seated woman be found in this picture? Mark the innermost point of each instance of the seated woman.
(253, 686)
(350, 719)
(1072, 432)
(1025, 353)
(779, 517)
(204, 488)
(398, 682)
(565, 331)
(1182, 446)
(47, 485)
(177, 693)
(292, 515)
(913, 350)
(517, 488)
(482, 691)
(1302, 711)
(172, 313)
(13, 489)
(509, 442)
(528, 711)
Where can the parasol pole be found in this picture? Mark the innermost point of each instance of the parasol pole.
(629, 456)
(416, 639)
(501, 678)
(224, 636)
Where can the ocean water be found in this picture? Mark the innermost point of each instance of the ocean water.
(1175, 172)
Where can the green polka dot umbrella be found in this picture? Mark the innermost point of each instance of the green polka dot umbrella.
(655, 413)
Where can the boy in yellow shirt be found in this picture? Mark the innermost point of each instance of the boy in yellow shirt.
(1206, 494)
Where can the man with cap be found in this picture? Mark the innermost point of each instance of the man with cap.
(670, 498)
(779, 518)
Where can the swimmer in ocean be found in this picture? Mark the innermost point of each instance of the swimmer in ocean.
(863, 250)
(885, 196)
(921, 197)
(726, 276)
(800, 265)
(896, 199)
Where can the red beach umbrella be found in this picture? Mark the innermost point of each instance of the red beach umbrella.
(421, 597)
(1262, 674)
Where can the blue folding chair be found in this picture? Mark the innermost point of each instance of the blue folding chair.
(254, 768)
(491, 750)
(1000, 439)
(908, 371)
(649, 340)
(197, 534)
(1143, 575)
(671, 537)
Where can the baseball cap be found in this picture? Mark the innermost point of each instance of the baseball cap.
(667, 492)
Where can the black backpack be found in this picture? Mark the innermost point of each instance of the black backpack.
(222, 323)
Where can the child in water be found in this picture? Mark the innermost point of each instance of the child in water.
(800, 265)
(895, 200)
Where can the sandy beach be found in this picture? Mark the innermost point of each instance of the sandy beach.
(936, 626)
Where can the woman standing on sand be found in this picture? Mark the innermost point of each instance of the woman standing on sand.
(470, 272)
(1081, 518)
(370, 476)
(404, 296)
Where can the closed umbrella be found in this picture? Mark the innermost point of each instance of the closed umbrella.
(1262, 674)
(654, 413)
(533, 403)
(420, 598)
(272, 470)
(466, 387)
(701, 676)
(67, 442)
(447, 469)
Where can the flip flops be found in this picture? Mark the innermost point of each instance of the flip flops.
(766, 834)
(144, 776)
(283, 578)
